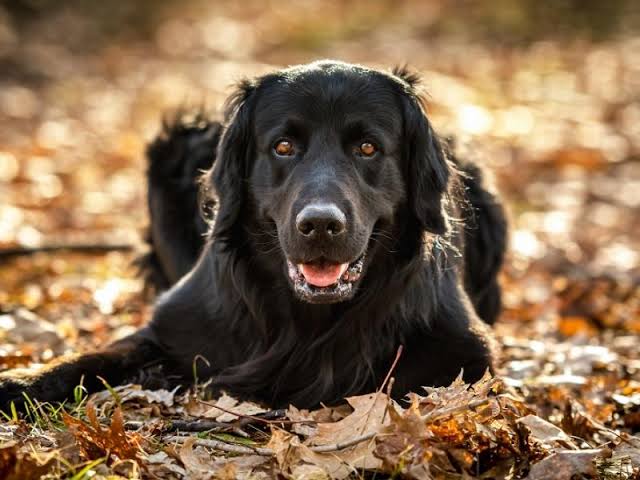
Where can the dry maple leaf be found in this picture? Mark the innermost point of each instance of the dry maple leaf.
(452, 429)
(97, 442)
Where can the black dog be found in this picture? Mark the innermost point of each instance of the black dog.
(343, 230)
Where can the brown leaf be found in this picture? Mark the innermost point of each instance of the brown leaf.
(17, 465)
(194, 463)
(206, 410)
(573, 325)
(23, 326)
(309, 472)
(587, 158)
(368, 416)
(305, 424)
(227, 405)
(136, 394)
(244, 408)
(630, 450)
(97, 442)
(566, 463)
(284, 445)
(545, 432)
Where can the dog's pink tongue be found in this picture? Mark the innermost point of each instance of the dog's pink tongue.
(322, 275)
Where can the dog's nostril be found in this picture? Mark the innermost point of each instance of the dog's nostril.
(321, 219)
(335, 228)
(305, 228)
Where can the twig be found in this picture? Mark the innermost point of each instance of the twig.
(268, 416)
(392, 368)
(71, 247)
(334, 447)
(225, 447)
(133, 425)
(201, 425)
(267, 452)
(387, 378)
(392, 380)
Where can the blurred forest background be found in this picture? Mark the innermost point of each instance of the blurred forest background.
(547, 93)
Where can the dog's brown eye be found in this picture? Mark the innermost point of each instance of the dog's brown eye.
(367, 149)
(284, 148)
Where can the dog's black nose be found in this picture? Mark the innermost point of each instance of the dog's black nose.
(321, 220)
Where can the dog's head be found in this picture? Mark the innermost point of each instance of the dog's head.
(320, 160)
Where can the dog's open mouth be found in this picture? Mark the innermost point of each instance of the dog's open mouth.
(321, 281)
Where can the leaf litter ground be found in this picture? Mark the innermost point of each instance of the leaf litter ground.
(564, 144)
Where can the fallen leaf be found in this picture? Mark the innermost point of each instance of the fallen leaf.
(244, 408)
(23, 326)
(17, 465)
(368, 416)
(304, 423)
(567, 463)
(285, 447)
(97, 442)
(194, 463)
(545, 432)
(135, 393)
(628, 449)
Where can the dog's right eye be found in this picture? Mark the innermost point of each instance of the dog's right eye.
(284, 148)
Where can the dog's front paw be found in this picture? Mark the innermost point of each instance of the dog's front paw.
(14, 389)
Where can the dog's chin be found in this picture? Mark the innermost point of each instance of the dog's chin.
(322, 282)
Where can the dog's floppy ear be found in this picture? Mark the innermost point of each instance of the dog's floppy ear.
(231, 168)
(426, 166)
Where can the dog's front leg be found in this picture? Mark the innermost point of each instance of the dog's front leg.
(55, 382)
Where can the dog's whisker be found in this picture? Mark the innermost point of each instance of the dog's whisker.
(384, 247)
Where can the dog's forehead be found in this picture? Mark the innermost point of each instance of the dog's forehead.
(318, 94)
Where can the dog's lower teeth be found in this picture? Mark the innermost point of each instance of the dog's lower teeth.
(343, 287)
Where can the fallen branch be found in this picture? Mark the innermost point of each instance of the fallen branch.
(394, 364)
(335, 447)
(202, 425)
(70, 247)
(226, 447)
(267, 452)
(206, 424)
(269, 416)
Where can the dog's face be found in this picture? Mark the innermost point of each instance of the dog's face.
(327, 167)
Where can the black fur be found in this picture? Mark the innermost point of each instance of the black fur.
(433, 234)
(184, 149)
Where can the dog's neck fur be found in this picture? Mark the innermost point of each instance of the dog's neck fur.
(331, 340)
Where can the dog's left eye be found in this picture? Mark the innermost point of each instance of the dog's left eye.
(284, 148)
(367, 149)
